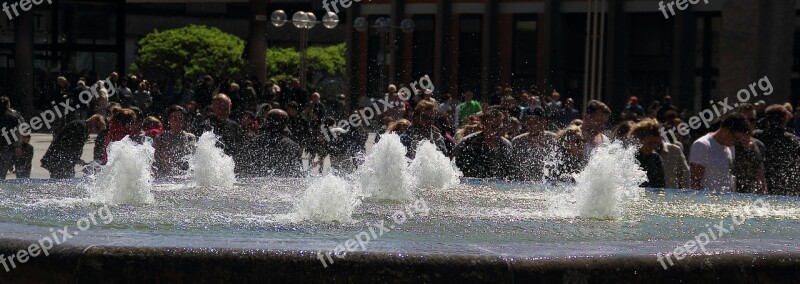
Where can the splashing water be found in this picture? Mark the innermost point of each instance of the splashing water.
(384, 173)
(431, 169)
(326, 200)
(126, 178)
(609, 182)
(209, 165)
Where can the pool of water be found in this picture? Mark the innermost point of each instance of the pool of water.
(475, 217)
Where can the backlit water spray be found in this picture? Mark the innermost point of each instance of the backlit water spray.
(127, 177)
(210, 166)
(605, 187)
(431, 169)
(384, 174)
(326, 200)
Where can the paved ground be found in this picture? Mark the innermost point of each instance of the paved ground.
(40, 142)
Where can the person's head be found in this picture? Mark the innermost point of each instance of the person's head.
(469, 96)
(191, 107)
(248, 118)
(667, 100)
(26, 139)
(114, 76)
(5, 103)
(498, 91)
(235, 87)
(176, 116)
(139, 118)
(208, 111)
(150, 123)
(648, 133)
(391, 89)
(208, 80)
(276, 120)
(125, 117)
(508, 92)
(447, 98)
(761, 106)
(292, 108)
(124, 81)
(536, 101)
(154, 87)
(95, 124)
(623, 129)
(315, 97)
(424, 114)
(596, 117)
(61, 81)
(555, 96)
(317, 113)
(143, 86)
(222, 106)
(749, 112)
(399, 126)
(426, 94)
(524, 98)
(776, 117)
(509, 102)
(492, 121)
(634, 101)
(571, 139)
(533, 120)
(733, 127)
(570, 103)
(329, 122)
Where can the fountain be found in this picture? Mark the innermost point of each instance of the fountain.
(602, 228)
(209, 165)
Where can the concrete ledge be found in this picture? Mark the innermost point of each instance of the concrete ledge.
(103, 264)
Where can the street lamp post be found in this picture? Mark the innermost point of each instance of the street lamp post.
(304, 21)
(383, 26)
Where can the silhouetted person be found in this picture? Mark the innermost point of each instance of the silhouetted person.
(781, 152)
(9, 121)
(67, 148)
(273, 152)
(173, 145)
(486, 154)
(229, 132)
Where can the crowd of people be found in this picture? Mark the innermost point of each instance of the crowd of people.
(511, 134)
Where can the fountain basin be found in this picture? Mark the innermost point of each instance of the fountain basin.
(479, 231)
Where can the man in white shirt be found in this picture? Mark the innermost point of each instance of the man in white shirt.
(712, 155)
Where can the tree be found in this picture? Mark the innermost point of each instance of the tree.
(189, 52)
(284, 63)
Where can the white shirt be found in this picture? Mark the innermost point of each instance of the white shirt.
(716, 160)
(588, 148)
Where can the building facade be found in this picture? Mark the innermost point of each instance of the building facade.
(585, 49)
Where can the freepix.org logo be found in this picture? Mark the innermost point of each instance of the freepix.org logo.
(60, 110)
(328, 4)
(366, 114)
(24, 5)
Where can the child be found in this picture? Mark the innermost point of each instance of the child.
(23, 158)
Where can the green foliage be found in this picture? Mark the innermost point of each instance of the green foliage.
(284, 63)
(190, 52)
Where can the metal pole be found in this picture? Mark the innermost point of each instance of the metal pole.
(602, 45)
(385, 59)
(586, 54)
(303, 43)
(593, 90)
